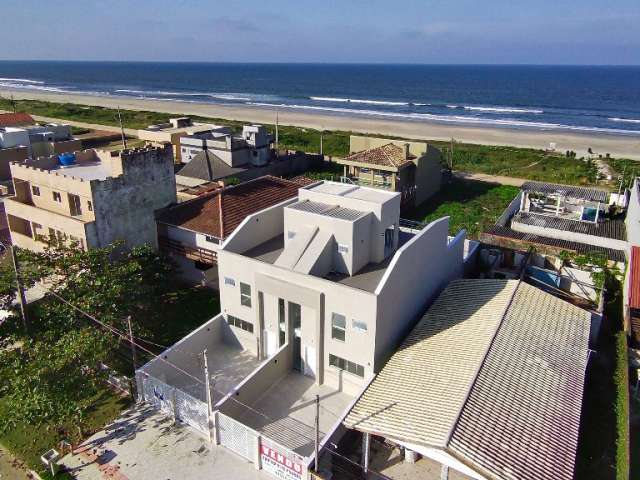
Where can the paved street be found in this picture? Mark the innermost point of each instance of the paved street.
(143, 444)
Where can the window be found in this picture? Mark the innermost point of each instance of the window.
(338, 326)
(346, 365)
(211, 238)
(229, 281)
(89, 206)
(57, 197)
(245, 294)
(35, 190)
(343, 248)
(358, 326)
(236, 322)
(291, 234)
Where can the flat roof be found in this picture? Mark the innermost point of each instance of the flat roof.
(85, 170)
(327, 210)
(494, 373)
(608, 228)
(348, 190)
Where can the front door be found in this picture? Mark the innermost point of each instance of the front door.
(295, 317)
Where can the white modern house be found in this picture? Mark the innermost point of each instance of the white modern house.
(317, 291)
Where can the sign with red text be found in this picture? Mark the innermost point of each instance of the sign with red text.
(278, 465)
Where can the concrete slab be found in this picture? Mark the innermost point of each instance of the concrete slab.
(286, 412)
(144, 444)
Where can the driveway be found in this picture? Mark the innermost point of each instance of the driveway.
(145, 444)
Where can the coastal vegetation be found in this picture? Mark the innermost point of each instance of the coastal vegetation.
(51, 384)
(507, 161)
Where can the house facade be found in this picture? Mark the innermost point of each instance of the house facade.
(90, 197)
(411, 168)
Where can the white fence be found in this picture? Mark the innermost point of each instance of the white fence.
(237, 437)
(172, 401)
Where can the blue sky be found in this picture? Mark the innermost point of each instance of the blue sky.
(401, 31)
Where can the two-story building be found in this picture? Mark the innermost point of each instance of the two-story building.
(90, 197)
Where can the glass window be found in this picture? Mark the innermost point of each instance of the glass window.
(346, 365)
(338, 326)
(229, 281)
(359, 326)
(291, 234)
(343, 248)
(241, 324)
(57, 197)
(89, 205)
(245, 294)
(35, 190)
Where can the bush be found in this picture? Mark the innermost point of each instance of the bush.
(621, 381)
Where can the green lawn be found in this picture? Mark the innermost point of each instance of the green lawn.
(472, 205)
(29, 442)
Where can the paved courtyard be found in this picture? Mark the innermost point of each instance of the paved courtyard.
(144, 444)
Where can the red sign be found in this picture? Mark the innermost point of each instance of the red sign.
(272, 458)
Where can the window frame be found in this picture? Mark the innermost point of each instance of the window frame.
(35, 190)
(58, 195)
(239, 323)
(345, 365)
(338, 331)
(245, 298)
(358, 325)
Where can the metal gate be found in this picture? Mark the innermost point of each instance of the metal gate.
(237, 437)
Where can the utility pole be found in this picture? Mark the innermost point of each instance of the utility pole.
(277, 130)
(321, 135)
(317, 462)
(13, 103)
(451, 155)
(124, 139)
(21, 297)
(208, 388)
(133, 347)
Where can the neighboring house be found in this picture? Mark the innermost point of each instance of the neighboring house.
(487, 386)
(207, 166)
(173, 130)
(252, 146)
(91, 197)
(316, 292)
(17, 119)
(23, 140)
(413, 169)
(192, 232)
(557, 223)
(631, 292)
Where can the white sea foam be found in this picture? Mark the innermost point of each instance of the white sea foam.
(624, 120)
(21, 80)
(503, 109)
(357, 100)
(459, 119)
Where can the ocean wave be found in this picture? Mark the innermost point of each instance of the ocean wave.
(503, 109)
(164, 93)
(624, 120)
(421, 104)
(21, 80)
(357, 100)
(32, 86)
(459, 119)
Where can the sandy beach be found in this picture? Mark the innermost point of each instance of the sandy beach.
(619, 146)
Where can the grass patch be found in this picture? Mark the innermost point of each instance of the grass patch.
(604, 432)
(526, 163)
(29, 442)
(474, 206)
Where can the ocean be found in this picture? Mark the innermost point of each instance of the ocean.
(574, 98)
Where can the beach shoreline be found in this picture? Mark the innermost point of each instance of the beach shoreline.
(618, 146)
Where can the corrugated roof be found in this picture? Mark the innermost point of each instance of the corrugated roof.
(389, 155)
(15, 119)
(218, 214)
(526, 239)
(522, 418)
(609, 228)
(500, 390)
(634, 281)
(419, 393)
(566, 191)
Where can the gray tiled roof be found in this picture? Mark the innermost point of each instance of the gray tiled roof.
(493, 374)
(566, 190)
(613, 228)
(207, 166)
(522, 418)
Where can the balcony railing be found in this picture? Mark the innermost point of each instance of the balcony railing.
(198, 254)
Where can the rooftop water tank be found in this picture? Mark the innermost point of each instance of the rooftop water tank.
(67, 159)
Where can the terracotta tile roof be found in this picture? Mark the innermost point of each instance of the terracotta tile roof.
(389, 155)
(219, 213)
(15, 119)
(634, 281)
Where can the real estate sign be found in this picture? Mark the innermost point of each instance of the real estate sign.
(279, 465)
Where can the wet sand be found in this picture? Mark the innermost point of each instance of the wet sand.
(620, 146)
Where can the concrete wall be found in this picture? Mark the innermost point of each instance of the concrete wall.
(8, 155)
(428, 174)
(633, 215)
(416, 275)
(124, 206)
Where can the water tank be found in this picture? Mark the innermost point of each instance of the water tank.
(66, 159)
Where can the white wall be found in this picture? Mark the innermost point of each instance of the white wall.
(416, 275)
(633, 215)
